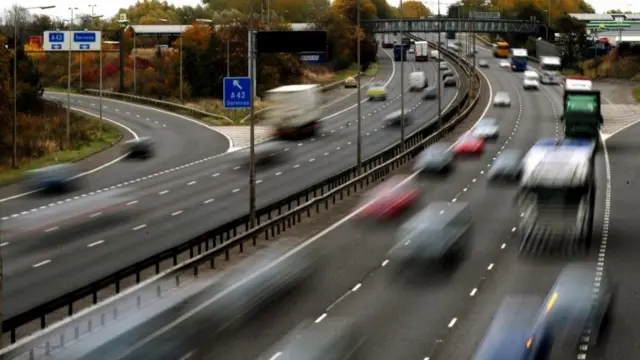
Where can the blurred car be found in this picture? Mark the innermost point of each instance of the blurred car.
(437, 158)
(469, 144)
(531, 80)
(514, 332)
(390, 199)
(333, 338)
(395, 118)
(483, 64)
(502, 99)
(266, 153)
(56, 178)
(471, 54)
(140, 148)
(487, 128)
(573, 307)
(505, 64)
(412, 50)
(508, 166)
(377, 91)
(450, 81)
(350, 82)
(443, 65)
(439, 234)
(430, 93)
(447, 73)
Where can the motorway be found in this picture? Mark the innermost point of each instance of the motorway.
(174, 204)
(441, 317)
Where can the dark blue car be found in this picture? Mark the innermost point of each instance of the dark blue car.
(61, 177)
(515, 332)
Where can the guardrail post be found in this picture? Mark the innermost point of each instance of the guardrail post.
(76, 332)
(62, 340)
(32, 355)
(90, 325)
(158, 291)
(115, 312)
(47, 348)
(138, 301)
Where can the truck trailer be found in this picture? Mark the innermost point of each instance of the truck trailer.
(556, 197)
(422, 51)
(582, 114)
(294, 110)
(400, 52)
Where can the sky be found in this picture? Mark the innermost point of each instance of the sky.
(111, 7)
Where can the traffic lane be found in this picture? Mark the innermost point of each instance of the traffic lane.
(70, 255)
(622, 246)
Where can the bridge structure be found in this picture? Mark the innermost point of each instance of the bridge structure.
(426, 25)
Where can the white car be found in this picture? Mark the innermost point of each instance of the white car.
(502, 99)
(484, 64)
(450, 81)
(487, 128)
(412, 50)
(531, 84)
(505, 64)
(444, 66)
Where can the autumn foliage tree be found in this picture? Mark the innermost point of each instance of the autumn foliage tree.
(415, 9)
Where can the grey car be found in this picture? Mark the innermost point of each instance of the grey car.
(483, 64)
(54, 178)
(450, 81)
(143, 148)
(266, 153)
(487, 128)
(430, 93)
(435, 159)
(395, 118)
(443, 66)
(502, 99)
(507, 167)
(573, 307)
(447, 73)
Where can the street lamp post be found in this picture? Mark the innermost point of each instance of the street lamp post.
(358, 79)
(252, 131)
(181, 48)
(14, 157)
(402, 55)
(68, 137)
(439, 76)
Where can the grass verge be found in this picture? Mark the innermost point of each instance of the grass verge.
(61, 90)
(110, 135)
(636, 94)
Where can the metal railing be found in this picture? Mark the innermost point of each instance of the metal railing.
(221, 241)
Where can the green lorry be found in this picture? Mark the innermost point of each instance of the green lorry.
(582, 115)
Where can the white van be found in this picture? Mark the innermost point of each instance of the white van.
(418, 81)
(435, 54)
(531, 80)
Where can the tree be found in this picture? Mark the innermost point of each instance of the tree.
(618, 11)
(415, 9)
(149, 12)
(383, 9)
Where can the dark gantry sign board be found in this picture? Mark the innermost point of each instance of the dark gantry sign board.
(291, 41)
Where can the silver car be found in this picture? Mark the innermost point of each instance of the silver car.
(447, 73)
(444, 66)
(430, 93)
(395, 118)
(483, 64)
(486, 129)
(266, 153)
(450, 81)
(508, 166)
(436, 159)
(502, 99)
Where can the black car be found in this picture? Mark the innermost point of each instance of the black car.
(140, 148)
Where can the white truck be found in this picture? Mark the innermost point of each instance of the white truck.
(422, 51)
(294, 110)
(387, 41)
(418, 81)
(550, 66)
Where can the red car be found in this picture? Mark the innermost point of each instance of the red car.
(469, 145)
(390, 199)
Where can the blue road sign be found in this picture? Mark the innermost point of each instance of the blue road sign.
(56, 37)
(312, 57)
(84, 37)
(236, 92)
(85, 46)
(56, 46)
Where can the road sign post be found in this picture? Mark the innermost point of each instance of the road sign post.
(72, 41)
(237, 92)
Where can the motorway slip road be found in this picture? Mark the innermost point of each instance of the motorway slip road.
(189, 202)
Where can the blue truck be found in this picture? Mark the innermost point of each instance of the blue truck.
(400, 52)
(519, 59)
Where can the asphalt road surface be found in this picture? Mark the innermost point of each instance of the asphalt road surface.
(173, 206)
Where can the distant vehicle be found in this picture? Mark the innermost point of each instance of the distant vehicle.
(439, 234)
(350, 82)
(519, 59)
(331, 339)
(400, 52)
(505, 64)
(443, 65)
(450, 81)
(550, 67)
(418, 81)
(140, 148)
(507, 166)
(483, 64)
(430, 93)
(515, 332)
(412, 50)
(501, 49)
(531, 80)
(447, 73)
(487, 128)
(295, 110)
(469, 144)
(395, 117)
(387, 41)
(572, 307)
(390, 199)
(437, 158)
(435, 55)
(502, 99)
(454, 47)
(54, 178)
(377, 91)
(265, 153)
(422, 51)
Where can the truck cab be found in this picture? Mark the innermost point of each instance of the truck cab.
(294, 110)
(550, 67)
